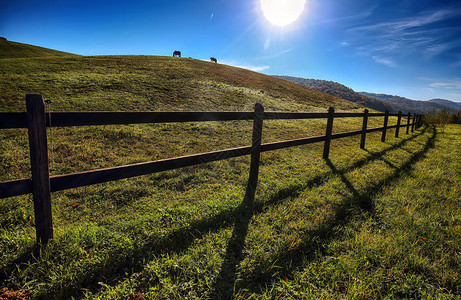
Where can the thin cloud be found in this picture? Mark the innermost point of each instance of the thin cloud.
(247, 67)
(450, 88)
(254, 68)
(454, 84)
(384, 61)
(267, 44)
(424, 34)
(357, 17)
(402, 25)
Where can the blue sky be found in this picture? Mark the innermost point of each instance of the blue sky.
(410, 48)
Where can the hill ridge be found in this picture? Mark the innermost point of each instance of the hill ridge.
(405, 104)
(10, 49)
(446, 102)
(338, 90)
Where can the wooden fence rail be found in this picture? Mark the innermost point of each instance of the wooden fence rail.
(42, 184)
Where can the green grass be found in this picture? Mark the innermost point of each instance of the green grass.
(377, 223)
(15, 50)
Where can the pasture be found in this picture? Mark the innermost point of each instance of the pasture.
(383, 222)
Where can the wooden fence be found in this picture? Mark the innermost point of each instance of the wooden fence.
(42, 184)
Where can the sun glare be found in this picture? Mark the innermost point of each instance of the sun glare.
(282, 12)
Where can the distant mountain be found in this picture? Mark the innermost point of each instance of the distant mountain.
(448, 103)
(407, 105)
(10, 49)
(340, 91)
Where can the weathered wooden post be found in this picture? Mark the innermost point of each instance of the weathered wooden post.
(399, 118)
(413, 123)
(256, 146)
(408, 122)
(386, 119)
(39, 167)
(420, 121)
(329, 131)
(364, 129)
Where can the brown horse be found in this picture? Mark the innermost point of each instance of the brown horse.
(177, 53)
(212, 59)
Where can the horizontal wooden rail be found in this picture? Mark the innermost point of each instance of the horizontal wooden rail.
(73, 180)
(15, 187)
(63, 182)
(291, 143)
(13, 120)
(67, 119)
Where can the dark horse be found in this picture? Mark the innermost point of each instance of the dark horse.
(213, 60)
(177, 53)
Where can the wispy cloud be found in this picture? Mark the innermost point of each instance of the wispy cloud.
(384, 61)
(449, 88)
(267, 44)
(425, 34)
(405, 24)
(453, 84)
(255, 68)
(248, 67)
(356, 17)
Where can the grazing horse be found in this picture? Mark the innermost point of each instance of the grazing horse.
(212, 59)
(177, 53)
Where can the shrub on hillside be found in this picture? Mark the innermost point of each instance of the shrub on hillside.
(455, 118)
(438, 118)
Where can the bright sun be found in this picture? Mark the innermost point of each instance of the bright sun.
(282, 12)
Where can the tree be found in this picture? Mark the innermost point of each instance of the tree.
(456, 118)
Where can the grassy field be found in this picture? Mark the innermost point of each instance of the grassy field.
(384, 222)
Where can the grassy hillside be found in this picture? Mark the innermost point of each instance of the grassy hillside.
(10, 49)
(375, 223)
(150, 83)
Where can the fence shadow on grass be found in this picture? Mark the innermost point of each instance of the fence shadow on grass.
(316, 240)
(24, 259)
(225, 281)
(120, 266)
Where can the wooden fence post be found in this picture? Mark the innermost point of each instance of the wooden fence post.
(364, 129)
(420, 120)
(399, 118)
(256, 146)
(386, 119)
(36, 123)
(408, 123)
(413, 123)
(326, 147)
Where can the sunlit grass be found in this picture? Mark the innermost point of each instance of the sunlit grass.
(383, 222)
(388, 217)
